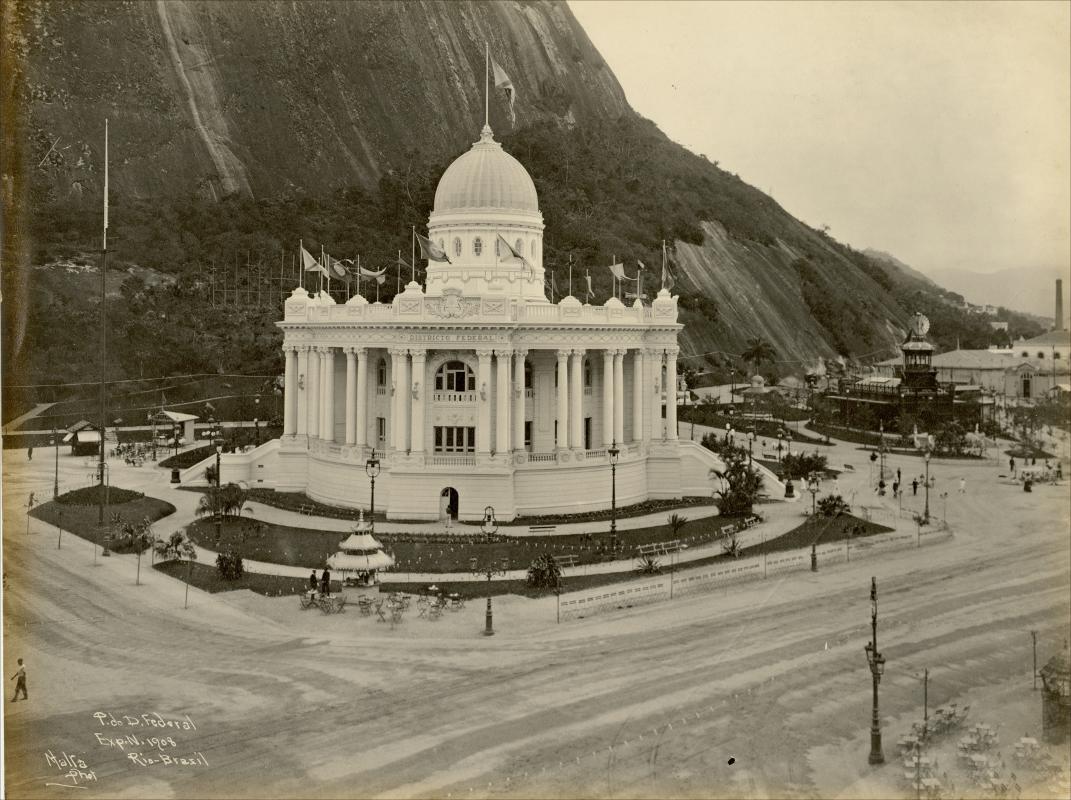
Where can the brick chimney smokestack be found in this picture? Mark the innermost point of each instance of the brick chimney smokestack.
(1059, 305)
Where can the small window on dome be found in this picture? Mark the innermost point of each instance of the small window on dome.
(477, 246)
(533, 248)
(457, 247)
(498, 249)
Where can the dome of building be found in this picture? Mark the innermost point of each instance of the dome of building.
(486, 177)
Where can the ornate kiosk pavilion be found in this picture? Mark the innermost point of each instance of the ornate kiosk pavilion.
(475, 390)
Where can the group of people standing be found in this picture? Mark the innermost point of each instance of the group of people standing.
(323, 584)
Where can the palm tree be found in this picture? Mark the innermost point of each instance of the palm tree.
(758, 352)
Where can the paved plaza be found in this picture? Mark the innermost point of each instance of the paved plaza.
(257, 698)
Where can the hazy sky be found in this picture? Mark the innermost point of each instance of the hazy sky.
(939, 132)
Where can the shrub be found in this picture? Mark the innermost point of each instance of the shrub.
(833, 505)
(544, 573)
(799, 465)
(230, 566)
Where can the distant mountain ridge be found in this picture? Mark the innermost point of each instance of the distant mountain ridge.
(1029, 291)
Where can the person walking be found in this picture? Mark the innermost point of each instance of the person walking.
(312, 581)
(963, 486)
(325, 582)
(898, 480)
(29, 454)
(20, 682)
(1011, 465)
(915, 487)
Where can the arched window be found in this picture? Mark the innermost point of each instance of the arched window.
(587, 373)
(1041, 354)
(477, 246)
(455, 376)
(381, 372)
(527, 374)
(457, 247)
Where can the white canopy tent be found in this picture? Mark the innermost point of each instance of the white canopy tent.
(360, 557)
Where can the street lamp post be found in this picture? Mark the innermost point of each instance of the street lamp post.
(175, 430)
(877, 666)
(256, 422)
(217, 441)
(55, 482)
(728, 431)
(152, 421)
(750, 445)
(780, 445)
(614, 453)
(812, 487)
(926, 512)
(489, 526)
(371, 469)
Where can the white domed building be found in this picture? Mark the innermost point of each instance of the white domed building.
(474, 389)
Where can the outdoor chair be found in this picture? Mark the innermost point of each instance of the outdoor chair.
(380, 616)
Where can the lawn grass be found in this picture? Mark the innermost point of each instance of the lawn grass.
(81, 520)
(824, 531)
(280, 544)
(206, 577)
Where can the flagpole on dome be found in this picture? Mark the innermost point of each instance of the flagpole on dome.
(359, 275)
(486, 84)
(398, 277)
(412, 254)
(570, 274)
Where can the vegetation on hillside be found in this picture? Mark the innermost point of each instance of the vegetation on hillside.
(615, 188)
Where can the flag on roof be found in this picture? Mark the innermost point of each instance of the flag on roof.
(667, 279)
(591, 292)
(619, 272)
(309, 263)
(381, 276)
(430, 250)
(502, 81)
(337, 270)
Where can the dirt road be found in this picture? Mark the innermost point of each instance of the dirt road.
(653, 701)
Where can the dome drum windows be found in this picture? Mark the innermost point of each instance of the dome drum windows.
(457, 247)
(477, 246)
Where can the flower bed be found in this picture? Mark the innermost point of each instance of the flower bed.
(188, 458)
(81, 520)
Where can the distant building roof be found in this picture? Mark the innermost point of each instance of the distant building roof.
(988, 359)
(1058, 338)
(82, 425)
(177, 416)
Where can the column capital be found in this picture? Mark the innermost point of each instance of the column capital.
(563, 354)
(361, 351)
(349, 350)
(521, 352)
(505, 352)
(673, 351)
(578, 351)
(302, 348)
(291, 348)
(620, 352)
(398, 351)
(484, 354)
(418, 352)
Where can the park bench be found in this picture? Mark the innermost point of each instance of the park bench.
(567, 560)
(727, 530)
(849, 468)
(542, 529)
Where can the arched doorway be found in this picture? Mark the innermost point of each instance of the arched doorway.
(448, 504)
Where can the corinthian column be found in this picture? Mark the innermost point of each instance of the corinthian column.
(502, 393)
(637, 395)
(607, 397)
(362, 397)
(290, 392)
(398, 380)
(327, 425)
(302, 389)
(619, 396)
(671, 394)
(563, 400)
(418, 389)
(351, 395)
(576, 397)
(656, 394)
(312, 387)
(483, 393)
(518, 399)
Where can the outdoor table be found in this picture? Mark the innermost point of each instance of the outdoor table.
(1029, 741)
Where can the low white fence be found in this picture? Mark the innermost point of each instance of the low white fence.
(577, 605)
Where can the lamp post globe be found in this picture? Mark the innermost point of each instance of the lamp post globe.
(614, 453)
(256, 421)
(813, 487)
(371, 469)
(876, 662)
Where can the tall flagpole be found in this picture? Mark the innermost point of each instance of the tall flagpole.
(359, 275)
(486, 83)
(663, 263)
(398, 279)
(570, 274)
(639, 286)
(103, 333)
(412, 255)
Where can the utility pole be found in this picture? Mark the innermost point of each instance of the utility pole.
(925, 700)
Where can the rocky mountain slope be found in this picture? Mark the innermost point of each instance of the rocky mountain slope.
(255, 97)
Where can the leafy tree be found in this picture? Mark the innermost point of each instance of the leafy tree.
(799, 465)
(544, 573)
(228, 501)
(741, 485)
(230, 566)
(951, 438)
(176, 546)
(649, 565)
(732, 546)
(139, 535)
(758, 352)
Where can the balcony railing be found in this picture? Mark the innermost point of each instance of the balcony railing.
(453, 397)
(451, 460)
